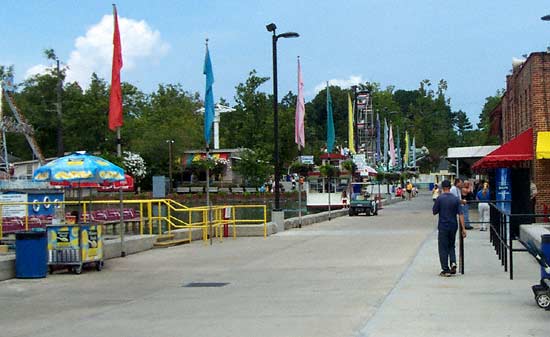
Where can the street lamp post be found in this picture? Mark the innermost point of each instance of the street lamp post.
(170, 143)
(272, 28)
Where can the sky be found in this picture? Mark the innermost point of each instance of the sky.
(469, 43)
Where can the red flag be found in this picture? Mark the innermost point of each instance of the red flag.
(115, 102)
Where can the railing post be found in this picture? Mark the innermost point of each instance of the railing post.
(26, 217)
(265, 221)
(169, 217)
(233, 215)
(150, 214)
(140, 217)
(511, 252)
(1, 223)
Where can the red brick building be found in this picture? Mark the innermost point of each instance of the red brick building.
(526, 104)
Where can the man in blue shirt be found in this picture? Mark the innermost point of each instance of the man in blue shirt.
(448, 207)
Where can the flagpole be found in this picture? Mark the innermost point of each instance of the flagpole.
(120, 196)
(209, 222)
(208, 177)
(116, 112)
(301, 136)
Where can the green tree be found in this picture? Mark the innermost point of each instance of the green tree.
(484, 124)
(462, 124)
(251, 124)
(253, 168)
(170, 113)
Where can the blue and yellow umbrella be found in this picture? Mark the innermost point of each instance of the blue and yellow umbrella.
(79, 167)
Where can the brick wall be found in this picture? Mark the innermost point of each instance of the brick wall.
(526, 104)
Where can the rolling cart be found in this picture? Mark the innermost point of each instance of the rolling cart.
(542, 290)
(73, 246)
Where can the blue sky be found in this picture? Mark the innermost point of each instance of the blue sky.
(469, 43)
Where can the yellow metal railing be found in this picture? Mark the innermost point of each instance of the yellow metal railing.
(170, 214)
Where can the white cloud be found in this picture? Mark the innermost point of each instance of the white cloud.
(342, 83)
(94, 51)
(37, 69)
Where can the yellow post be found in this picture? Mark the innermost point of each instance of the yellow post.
(169, 217)
(1, 223)
(84, 217)
(265, 221)
(141, 218)
(159, 218)
(190, 229)
(233, 215)
(26, 217)
(150, 214)
(205, 226)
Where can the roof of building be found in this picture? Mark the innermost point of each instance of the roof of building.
(470, 151)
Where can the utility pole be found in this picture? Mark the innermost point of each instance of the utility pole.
(60, 146)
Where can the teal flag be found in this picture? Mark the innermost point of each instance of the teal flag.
(386, 146)
(208, 98)
(330, 123)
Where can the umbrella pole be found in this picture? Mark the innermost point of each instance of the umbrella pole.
(122, 229)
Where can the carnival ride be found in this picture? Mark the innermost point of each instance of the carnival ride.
(16, 124)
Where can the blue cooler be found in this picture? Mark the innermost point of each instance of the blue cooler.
(31, 254)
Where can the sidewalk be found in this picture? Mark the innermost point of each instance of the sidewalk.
(482, 302)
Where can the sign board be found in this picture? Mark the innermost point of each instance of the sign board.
(308, 160)
(159, 186)
(504, 189)
(360, 162)
(14, 210)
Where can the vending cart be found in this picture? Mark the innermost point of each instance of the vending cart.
(73, 246)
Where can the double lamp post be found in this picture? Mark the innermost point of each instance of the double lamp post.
(272, 28)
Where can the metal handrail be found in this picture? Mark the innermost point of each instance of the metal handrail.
(171, 219)
(501, 236)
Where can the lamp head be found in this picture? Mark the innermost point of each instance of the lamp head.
(288, 35)
(546, 18)
(271, 27)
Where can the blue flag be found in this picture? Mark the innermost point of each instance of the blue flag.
(208, 98)
(330, 124)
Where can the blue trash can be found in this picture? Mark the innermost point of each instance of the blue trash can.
(31, 254)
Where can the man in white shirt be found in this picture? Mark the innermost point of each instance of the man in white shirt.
(455, 190)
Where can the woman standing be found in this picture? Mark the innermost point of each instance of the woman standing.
(467, 197)
(483, 196)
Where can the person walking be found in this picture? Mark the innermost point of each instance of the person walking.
(448, 207)
(467, 197)
(409, 189)
(483, 196)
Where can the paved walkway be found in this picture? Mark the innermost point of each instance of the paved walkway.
(482, 302)
(352, 276)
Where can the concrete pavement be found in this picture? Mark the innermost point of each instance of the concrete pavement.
(352, 276)
(482, 302)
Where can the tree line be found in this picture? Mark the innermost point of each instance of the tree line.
(171, 113)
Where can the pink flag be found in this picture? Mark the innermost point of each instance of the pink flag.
(115, 101)
(299, 136)
(392, 147)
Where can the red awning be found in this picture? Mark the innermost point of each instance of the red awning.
(332, 156)
(127, 184)
(509, 154)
